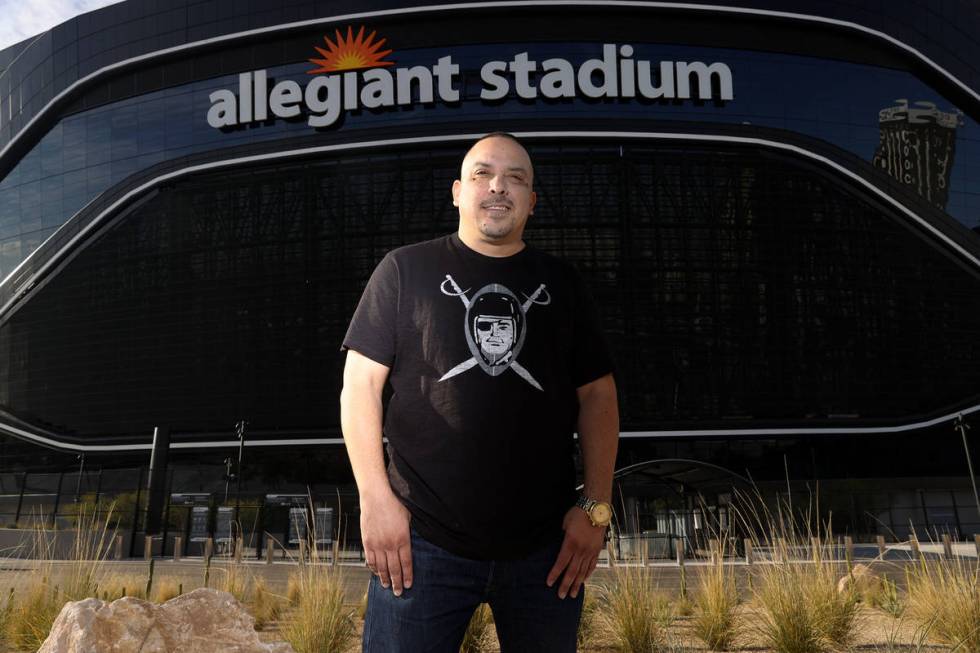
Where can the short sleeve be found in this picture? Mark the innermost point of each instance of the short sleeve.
(372, 330)
(596, 359)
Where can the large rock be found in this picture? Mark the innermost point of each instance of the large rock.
(202, 621)
(862, 580)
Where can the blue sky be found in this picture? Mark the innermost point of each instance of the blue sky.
(26, 18)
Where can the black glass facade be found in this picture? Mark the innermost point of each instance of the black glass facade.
(753, 287)
(783, 274)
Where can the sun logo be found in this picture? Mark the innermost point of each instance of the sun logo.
(351, 53)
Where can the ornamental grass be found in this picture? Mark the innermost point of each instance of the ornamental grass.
(715, 621)
(798, 606)
(944, 599)
(635, 612)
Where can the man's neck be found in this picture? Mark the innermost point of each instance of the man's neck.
(491, 248)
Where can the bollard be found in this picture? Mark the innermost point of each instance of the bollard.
(849, 550)
(148, 547)
(119, 540)
(683, 569)
(881, 545)
(610, 554)
(178, 547)
(149, 580)
(302, 551)
(947, 545)
(914, 541)
(208, 548)
(268, 550)
(239, 545)
(715, 547)
(748, 551)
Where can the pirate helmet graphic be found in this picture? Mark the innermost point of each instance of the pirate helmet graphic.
(495, 328)
(495, 324)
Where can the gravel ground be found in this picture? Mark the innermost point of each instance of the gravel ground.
(878, 632)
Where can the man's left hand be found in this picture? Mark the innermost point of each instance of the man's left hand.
(579, 552)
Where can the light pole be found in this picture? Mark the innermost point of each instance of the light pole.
(228, 477)
(961, 426)
(78, 483)
(240, 429)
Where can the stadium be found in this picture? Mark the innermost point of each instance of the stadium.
(775, 205)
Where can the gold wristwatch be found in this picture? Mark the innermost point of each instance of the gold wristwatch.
(599, 512)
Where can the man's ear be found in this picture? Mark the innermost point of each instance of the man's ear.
(534, 200)
(457, 187)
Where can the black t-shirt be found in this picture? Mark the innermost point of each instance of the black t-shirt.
(485, 356)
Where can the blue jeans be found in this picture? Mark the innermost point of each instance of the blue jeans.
(433, 613)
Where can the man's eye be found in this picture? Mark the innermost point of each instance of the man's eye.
(480, 173)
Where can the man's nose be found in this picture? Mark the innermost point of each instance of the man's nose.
(498, 184)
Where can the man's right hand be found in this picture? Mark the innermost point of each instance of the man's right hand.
(387, 540)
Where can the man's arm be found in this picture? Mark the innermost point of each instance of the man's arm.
(598, 435)
(384, 520)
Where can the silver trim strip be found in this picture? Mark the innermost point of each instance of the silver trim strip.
(466, 138)
(641, 4)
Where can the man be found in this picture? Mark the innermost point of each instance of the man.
(495, 356)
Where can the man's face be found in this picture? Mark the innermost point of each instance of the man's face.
(494, 334)
(493, 192)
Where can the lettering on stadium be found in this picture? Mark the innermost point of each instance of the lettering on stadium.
(357, 77)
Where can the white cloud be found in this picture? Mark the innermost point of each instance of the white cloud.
(25, 18)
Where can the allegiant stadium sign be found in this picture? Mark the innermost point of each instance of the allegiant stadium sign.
(355, 75)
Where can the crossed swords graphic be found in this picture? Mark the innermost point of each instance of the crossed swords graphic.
(471, 362)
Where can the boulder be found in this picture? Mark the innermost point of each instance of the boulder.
(202, 621)
(862, 580)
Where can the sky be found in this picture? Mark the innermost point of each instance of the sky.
(26, 18)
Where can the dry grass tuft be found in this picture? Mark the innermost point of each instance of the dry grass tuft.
(234, 579)
(635, 612)
(116, 586)
(320, 621)
(588, 625)
(165, 589)
(801, 609)
(30, 611)
(294, 590)
(31, 614)
(475, 639)
(944, 596)
(717, 602)
(362, 605)
(266, 606)
(683, 607)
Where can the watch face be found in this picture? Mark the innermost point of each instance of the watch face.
(601, 513)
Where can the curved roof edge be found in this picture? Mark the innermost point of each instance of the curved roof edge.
(26, 121)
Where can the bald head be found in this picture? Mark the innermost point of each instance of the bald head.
(498, 136)
(494, 193)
